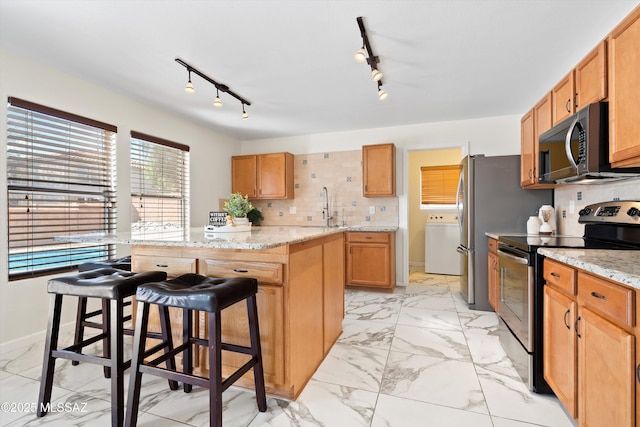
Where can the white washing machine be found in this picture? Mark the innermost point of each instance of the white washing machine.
(442, 237)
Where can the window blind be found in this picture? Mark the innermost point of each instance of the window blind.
(439, 184)
(60, 181)
(159, 188)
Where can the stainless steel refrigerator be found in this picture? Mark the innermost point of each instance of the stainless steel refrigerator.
(490, 199)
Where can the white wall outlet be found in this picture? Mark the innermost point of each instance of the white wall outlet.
(292, 210)
(372, 210)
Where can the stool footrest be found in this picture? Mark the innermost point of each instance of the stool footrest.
(175, 375)
(72, 355)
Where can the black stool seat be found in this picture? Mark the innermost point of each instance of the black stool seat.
(212, 295)
(196, 292)
(123, 263)
(111, 286)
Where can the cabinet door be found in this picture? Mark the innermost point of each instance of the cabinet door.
(275, 176)
(560, 347)
(368, 264)
(591, 77)
(624, 92)
(379, 170)
(527, 138)
(562, 99)
(492, 268)
(243, 175)
(606, 372)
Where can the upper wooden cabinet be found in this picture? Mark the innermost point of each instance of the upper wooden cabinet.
(624, 92)
(263, 176)
(533, 123)
(584, 85)
(379, 170)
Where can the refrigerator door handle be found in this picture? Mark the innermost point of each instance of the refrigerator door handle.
(460, 200)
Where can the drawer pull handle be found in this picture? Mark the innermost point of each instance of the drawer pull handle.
(554, 274)
(162, 265)
(638, 372)
(240, 270)
(368, 237)
(597, 295)
(576, 327)
(565, 318)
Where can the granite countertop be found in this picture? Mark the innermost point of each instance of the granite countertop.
(264, 237)
(619, 266)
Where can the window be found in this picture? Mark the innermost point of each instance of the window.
(439, 184)
(60, 181)
(159, 188)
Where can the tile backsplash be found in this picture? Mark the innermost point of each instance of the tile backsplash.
(341, 173)
(583, 195)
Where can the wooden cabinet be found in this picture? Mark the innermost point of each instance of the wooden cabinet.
(300, 304)
(533, 123)
(494, 274)
(379, 170)
(590, 345)
(263, 176)
(624, 92)
(371, 259)
(585, 84)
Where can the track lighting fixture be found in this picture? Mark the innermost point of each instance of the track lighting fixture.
(189, 87)
(217, 102)
(219, 88)
(381, 93)
(372, 60)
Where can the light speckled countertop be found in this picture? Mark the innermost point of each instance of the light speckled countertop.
(264, 237)
(619, 266)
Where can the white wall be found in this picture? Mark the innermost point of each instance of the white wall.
(492, 136)
(24, 303)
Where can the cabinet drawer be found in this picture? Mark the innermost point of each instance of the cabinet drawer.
(266, 272)
(170, 265)
(493, 245)
(610, 299)
(561, 276)
(368, 237)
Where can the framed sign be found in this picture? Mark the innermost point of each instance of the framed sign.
(217, 219)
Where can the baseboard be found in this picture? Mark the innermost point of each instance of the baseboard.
(32, 339)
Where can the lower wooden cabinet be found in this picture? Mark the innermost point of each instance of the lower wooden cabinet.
(590, 354)
(494, 274)
(370, 259)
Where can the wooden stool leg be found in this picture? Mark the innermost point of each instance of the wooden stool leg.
(117, 362)
(215, 370)
(187, 354)
(258, 372)
(80, 318)
(165, 327)
(106, 330)
(49, 362)
(135, 376)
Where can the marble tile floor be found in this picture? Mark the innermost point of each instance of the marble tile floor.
(416, 357)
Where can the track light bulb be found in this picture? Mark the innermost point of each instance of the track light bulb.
(245, 116)
(360, 55)
(189, 87)
(376, 75)
(217, 102)
(382, 95)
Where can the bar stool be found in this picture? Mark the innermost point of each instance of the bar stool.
(82, 317)
(212, 295)
(113, 286)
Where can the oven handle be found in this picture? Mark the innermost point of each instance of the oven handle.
(513, 258)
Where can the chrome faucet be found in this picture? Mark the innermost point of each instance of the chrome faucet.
(325, 211)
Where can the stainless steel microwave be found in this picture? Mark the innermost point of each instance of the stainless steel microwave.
(577, 149)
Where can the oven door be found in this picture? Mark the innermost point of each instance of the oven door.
(516, 293)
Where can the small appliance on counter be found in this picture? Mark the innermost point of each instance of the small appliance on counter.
(608, 225)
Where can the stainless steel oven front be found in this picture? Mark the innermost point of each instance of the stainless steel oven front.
(516, 287)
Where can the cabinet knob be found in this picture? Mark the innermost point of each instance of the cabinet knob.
(554, 274)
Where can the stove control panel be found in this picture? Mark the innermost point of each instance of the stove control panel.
(616, 212)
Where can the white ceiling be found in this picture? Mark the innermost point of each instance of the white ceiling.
(293, 59)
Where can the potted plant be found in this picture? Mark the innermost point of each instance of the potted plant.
(238, 206)
(254, 216)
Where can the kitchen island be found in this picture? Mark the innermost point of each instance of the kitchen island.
(300, 272)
